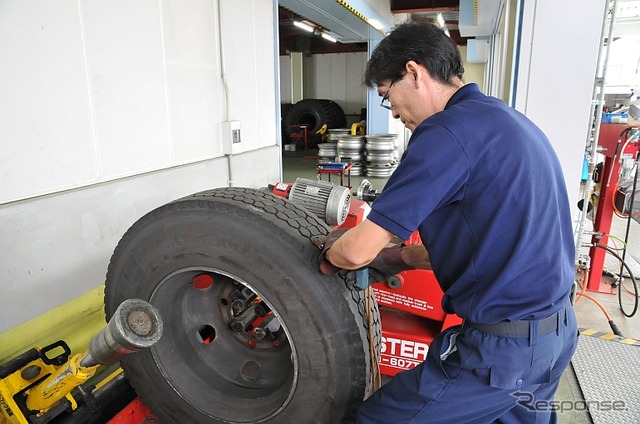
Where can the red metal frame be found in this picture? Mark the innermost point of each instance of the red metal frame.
(321, 169)
(135, 413)
(612, 140)
(299, 132)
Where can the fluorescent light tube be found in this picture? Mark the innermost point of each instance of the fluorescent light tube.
(328, 37)
(303, 26)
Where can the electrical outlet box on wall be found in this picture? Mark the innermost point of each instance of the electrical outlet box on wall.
(231, 138)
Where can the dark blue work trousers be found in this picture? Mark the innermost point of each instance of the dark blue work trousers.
(470, 376)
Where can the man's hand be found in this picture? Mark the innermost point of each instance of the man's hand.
(325, 244)
(397, 258)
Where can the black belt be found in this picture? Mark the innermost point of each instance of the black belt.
(520, 329)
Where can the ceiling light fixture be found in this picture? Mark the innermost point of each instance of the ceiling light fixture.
(303, 26)
(328, 37)
(442, 24)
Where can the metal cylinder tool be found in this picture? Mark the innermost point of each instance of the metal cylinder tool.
(135, 325)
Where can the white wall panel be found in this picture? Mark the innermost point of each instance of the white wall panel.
(317, 77)
(356, 97)
(125, 62)
(253, 169)
(286, 82)
(190, 33)
(240, 67)
(265, 75)
(45, 121)
(338, 86)
(194, 89)
(337, 77)
(557, 73)
(53, 256)
(196, 112)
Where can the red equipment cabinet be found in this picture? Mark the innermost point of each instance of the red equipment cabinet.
(416, 292)
(410, 309)
(612, 139)
(412, 316)
(405, 340)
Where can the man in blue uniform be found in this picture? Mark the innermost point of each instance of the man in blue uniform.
(484, 188)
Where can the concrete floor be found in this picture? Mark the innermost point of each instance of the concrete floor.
(589, 314)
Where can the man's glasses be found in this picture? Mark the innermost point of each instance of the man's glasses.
(385, 103)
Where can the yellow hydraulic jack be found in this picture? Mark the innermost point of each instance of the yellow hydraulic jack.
(35, 388)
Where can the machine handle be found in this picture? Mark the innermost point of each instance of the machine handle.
(17, 363)
(56, 360)
(33, 354)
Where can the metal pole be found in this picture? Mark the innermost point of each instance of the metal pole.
(594, 122)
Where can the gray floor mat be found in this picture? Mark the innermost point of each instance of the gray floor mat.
(608, 371)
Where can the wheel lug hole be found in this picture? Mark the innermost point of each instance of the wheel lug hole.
(207, 334)
(250, 370)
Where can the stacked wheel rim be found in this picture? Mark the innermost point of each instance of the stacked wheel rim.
(351, 149)
(327, 152)
(336, 133)
(381, 152)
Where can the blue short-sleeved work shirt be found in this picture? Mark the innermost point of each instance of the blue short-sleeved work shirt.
(485, 189)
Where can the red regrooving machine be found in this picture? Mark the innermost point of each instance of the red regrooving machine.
(410, 302)
(411, 313)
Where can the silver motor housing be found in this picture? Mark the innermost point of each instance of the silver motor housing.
(324, 199)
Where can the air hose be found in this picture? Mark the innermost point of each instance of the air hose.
(633, 280)
(583, 293)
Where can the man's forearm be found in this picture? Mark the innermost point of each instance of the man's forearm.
(359, 246)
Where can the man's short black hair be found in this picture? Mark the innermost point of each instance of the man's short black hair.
(420, 41)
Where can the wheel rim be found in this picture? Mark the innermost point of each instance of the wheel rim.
(225, 349)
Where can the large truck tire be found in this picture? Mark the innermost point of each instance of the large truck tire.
(314, 113)
(253, 333)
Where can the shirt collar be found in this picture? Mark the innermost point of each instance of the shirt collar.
(465, 92)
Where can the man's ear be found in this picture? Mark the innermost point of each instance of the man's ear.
(415, 71)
